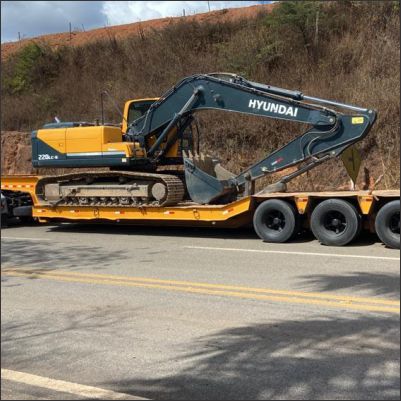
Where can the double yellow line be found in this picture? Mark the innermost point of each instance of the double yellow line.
(264, 294)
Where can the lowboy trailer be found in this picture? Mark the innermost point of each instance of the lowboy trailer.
(336, 218)
(157, 174)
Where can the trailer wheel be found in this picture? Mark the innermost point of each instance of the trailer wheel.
(26, 220)
(275, 221)
(387, 224)
(335, 222)
(4, 220)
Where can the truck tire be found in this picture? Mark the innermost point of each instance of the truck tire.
(335, 222)
(387, 224)
(22, 211)
(275, 221)
(4, 220)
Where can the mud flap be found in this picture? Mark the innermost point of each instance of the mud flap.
(202, 187)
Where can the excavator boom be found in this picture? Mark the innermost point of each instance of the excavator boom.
(330, 134)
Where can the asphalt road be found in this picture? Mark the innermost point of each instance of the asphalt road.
(183, 313)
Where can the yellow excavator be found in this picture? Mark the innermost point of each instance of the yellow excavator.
(157, 132)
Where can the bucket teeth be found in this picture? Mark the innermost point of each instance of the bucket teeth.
(187, 154)
(194, 155)
(205, 179)
(209, 164)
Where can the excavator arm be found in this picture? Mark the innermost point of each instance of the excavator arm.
(330, 134)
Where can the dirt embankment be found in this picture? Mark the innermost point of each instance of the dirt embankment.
(78, 38)
(16, 155)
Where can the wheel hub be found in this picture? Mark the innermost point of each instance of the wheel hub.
(276, 221)
(395, 223)
(335, 222)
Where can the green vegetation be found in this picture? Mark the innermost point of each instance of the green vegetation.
(31, 69)
(346, 50)
(22, 75)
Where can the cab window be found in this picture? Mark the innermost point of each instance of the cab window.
(138, 109)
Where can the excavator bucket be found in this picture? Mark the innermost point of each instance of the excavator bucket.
(206, 180)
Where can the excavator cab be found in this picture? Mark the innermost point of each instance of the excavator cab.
(133, 109)
(177, 142)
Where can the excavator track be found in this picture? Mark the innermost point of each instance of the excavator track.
(110, 189)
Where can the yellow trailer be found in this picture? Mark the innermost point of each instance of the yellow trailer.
(335, 217)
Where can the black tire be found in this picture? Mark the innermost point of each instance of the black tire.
(387, 224)
(26, 220)
(4, 220)
(335, 222)
(275, 221)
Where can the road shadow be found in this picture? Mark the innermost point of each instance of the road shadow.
(157, 231)
(108, 228)
(57, 336)
(48, 256)
(314, 358)
(365, 238)
(326, 358)
(383, 284)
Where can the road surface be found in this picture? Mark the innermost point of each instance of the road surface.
(175, 313)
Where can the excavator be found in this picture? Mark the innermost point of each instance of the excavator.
(153, 159)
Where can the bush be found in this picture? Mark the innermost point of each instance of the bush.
(22, 76)
(31, 69)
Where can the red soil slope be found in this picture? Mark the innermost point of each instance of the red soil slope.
(121, 31)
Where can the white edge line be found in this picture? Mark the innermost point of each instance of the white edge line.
(334, 255)
(27, 239)
(65, 387)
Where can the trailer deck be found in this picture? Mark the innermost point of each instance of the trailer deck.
(234, 214)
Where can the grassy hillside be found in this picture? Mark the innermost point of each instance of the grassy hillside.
(79, 37)
(347, 51)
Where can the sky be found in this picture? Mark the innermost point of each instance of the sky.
(34, 18)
